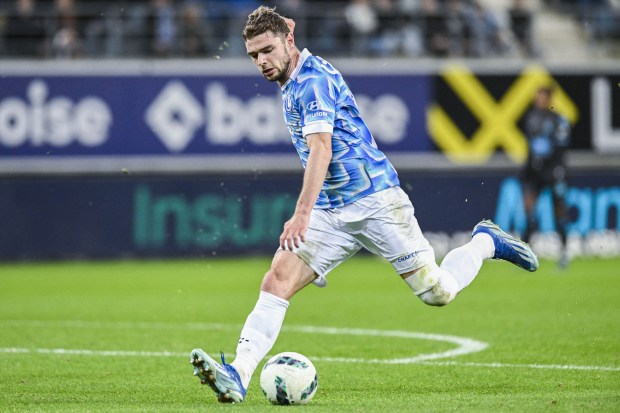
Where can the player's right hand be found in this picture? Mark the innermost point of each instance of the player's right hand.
(294, 231)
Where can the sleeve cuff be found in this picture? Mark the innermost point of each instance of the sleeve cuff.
(317, 127)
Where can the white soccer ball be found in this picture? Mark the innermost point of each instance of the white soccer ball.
(289, 378)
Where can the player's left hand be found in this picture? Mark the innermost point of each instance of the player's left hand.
(294, 231)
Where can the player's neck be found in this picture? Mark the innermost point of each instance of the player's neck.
(291, 67)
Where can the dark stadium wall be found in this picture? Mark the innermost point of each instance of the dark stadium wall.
(210, 215)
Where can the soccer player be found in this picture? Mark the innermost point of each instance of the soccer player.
(350, 199)
(548, 136)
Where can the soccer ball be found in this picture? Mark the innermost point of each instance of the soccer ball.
(289, 378)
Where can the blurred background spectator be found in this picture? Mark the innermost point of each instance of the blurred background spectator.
(161, 29)
(363, 24)
(487, 37)
(24, 33)
(358, 28)
(521, 25)
(194, 32)
(65, 27)
(434, 29)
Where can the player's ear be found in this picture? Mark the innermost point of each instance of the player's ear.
(289, 42)
(290, 23)
(290, 37)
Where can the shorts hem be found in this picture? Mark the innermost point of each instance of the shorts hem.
(308, 263)
(320, 280)
(416, 267)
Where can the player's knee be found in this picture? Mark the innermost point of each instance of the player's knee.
(276, 281)
(285, 277)
(443, 292)
(434, 285)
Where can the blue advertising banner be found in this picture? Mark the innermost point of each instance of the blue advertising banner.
(51, 116)
(165, 216)
(162, 116)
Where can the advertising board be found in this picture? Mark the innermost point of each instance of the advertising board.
(209, 215)
(176, 115)
(189, 115)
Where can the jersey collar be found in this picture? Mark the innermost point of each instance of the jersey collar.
(302, 58)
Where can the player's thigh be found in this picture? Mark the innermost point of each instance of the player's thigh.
(394, 233)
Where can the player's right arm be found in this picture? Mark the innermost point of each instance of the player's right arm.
(320, 145)
(315, 100)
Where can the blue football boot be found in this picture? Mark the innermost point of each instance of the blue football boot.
(507, 247)
(222, 378)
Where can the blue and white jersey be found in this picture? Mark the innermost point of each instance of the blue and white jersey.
(316, 99)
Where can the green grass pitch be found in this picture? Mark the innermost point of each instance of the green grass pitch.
(116, 336)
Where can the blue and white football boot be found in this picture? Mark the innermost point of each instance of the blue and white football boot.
(222, 378)
(507, 247)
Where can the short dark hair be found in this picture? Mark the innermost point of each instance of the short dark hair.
(547, 89)
(262, 20)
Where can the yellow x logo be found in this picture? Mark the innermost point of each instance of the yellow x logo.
(498, 120)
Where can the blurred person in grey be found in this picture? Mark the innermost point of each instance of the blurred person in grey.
(194, 30)
(363, 23)
(548, 137)
(66, 44)
(459, 32)
(161, 28)
(24, 32)
(486, 32)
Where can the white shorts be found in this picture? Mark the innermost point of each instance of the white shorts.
(384, 223)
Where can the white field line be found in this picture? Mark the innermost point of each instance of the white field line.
(82, 352)
(116, 325)
(116, 353)
(464, 345)
(518, 365)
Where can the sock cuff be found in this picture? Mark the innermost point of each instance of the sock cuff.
(271, 300)
(484, 245)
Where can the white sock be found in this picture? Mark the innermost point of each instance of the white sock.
(464, 263)
(259, 333)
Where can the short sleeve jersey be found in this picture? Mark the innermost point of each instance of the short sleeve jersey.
(548, 135)
(317, 99)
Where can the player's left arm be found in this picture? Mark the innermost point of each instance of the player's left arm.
(320, 145)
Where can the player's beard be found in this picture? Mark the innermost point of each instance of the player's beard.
(286, 66)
